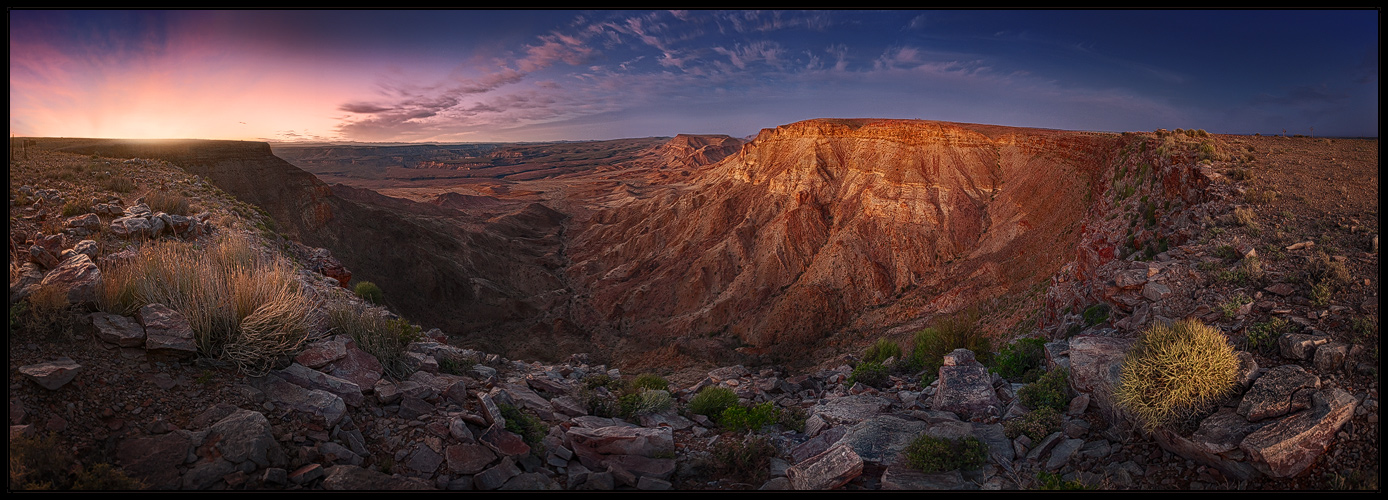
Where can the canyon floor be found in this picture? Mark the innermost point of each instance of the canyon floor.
(1275, 194)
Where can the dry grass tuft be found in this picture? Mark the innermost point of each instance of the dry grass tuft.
(242, 306)
(1175, 372)
(385, 338)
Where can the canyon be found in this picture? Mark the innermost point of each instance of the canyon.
(691, 251)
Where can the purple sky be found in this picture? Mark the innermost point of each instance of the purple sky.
(455, 76)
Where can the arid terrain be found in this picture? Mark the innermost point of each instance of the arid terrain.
(767, 265)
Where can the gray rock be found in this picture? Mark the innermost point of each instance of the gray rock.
(831, 469)
(117, 329)
(1289, 446)
(1281, 390)
(52, 375)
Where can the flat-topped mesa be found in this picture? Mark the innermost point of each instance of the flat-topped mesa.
(816, 224)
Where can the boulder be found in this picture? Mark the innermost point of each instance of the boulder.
(966, 388)
(1096, 366)
(77, 277)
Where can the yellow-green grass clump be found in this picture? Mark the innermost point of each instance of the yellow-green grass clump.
(1176, 371)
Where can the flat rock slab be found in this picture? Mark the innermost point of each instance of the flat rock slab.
(1281, 390)
(826, 471)
(882, 438)
(850, 409)
(966, 390)
(116, 329)
(52, 375)
(1293, 443)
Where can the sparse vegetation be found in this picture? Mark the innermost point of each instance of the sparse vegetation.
(747, 459)
(76, 206)
(1021, 360)
(1095, 314)
(162, 200)
(384, 338)
(930, 454)
(40, 463)
(1175, 372)
(1263, 336)
(1053, 481)
(947, 334)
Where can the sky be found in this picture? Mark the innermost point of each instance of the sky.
(493, 76)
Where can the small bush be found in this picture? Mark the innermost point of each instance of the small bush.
(369, 292)
(650, 381)
(881, 351)
(46, 313)
(1175, 372)
(712, 400)
(793, 418)
(40, 463)
(742, 418)
(644, 402)
(1260, 196)
(870, 374)
(1021, 360)
(1052, 391)
(930, 454)
(1036, 424)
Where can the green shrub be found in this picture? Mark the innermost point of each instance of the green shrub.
(930, 454)
(881, 351)
(369, 292)
(1052, 390)
(650, 381)
(1036, 424)
(870, 374)
(793, 418)
(742, 418)
(1021, 360)
(712, 400)
(103, 477)
(40, 463)
(1175, 372)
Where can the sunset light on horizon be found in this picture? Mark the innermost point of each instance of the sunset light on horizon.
(490, 76)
